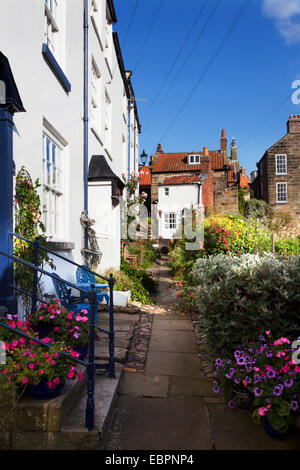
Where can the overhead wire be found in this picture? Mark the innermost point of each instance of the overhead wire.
(148, 35)
(176, 58)
(188, 56)
(228, 34)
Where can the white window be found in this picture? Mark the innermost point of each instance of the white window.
(170, 221)
(52, 187)
(194, 159)
(51, 25)
(95, 97)
(281, 164)
(281, 192)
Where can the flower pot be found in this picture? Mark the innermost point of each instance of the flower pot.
(41, 391)
(82, 350)
(272, 432)
(244, 398)
(43, 329)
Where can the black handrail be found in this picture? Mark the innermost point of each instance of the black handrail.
(92, 295)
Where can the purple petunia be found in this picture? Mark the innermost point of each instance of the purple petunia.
(219, 362)
(231, 404)
(294, 405)
(288, 383)
(241, 360)
(278, 390)
(257, 391)
(271, 374)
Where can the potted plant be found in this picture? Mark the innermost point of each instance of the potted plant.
(267, 370)
(47, 317)
(42, 371)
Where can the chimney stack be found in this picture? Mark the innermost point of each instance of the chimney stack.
(159, 149)
(293, 124)
(205, 151)
(223, 141)
(233, 150)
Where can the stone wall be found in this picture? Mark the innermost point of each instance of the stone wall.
(225, 194)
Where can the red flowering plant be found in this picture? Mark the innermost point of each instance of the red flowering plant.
(67, 328)
(268, 369)
(54, 314)
(26, 362)
(33, 364)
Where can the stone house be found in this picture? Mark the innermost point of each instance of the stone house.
(277, 180)
(209, 178)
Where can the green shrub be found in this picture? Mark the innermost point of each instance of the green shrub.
(256, 209)
(146, 252)
(239, 297)
(137, 281)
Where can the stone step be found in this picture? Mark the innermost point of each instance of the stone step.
(33, 415)
(59, 424)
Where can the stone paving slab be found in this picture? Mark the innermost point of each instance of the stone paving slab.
(173, 341)
(196, 387)
(170, 363)
(163, 424)
(235, 430)
(159, 324)
(143, 385)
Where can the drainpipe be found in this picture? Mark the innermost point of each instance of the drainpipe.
(129, 135)
(86, 113)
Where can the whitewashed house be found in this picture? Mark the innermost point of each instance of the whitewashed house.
(45, 43)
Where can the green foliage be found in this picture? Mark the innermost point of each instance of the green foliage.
(241, 195)
(137, 281)
(28, 224)
(256, 209)
(146, 252)
(238, 297)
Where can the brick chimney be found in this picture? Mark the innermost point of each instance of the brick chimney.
(159, 149)
(293, 124)
(223, 141)
(205, 151)
(233, 150)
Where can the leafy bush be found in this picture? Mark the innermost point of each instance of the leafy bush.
(256, 209)
(146, 252)
(137, 281)
(238, 297)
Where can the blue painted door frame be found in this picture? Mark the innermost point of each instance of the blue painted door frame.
(6, 209)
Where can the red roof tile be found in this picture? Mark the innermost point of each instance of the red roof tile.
(173, 162)
(145, 176)
(182, 179)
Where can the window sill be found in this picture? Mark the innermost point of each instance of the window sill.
(282, 202)
(60, 246)
(56, 69)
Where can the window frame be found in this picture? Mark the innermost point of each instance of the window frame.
(286, 192)
(278, 164)
(194, 162)
(53, 219)
(170, 224)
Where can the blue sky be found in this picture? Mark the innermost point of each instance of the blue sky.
(249, 79)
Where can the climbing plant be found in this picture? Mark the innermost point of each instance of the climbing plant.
(28, 224)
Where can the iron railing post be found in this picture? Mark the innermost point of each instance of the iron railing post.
(90, 405)
(111, 370)
(36, 247)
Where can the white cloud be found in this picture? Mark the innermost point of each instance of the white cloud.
(286, 14)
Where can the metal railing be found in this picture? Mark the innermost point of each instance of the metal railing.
(92, 298)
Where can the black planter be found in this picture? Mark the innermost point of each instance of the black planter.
(272, 432)
(82, 350)
(43, 392)
(43, 329)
